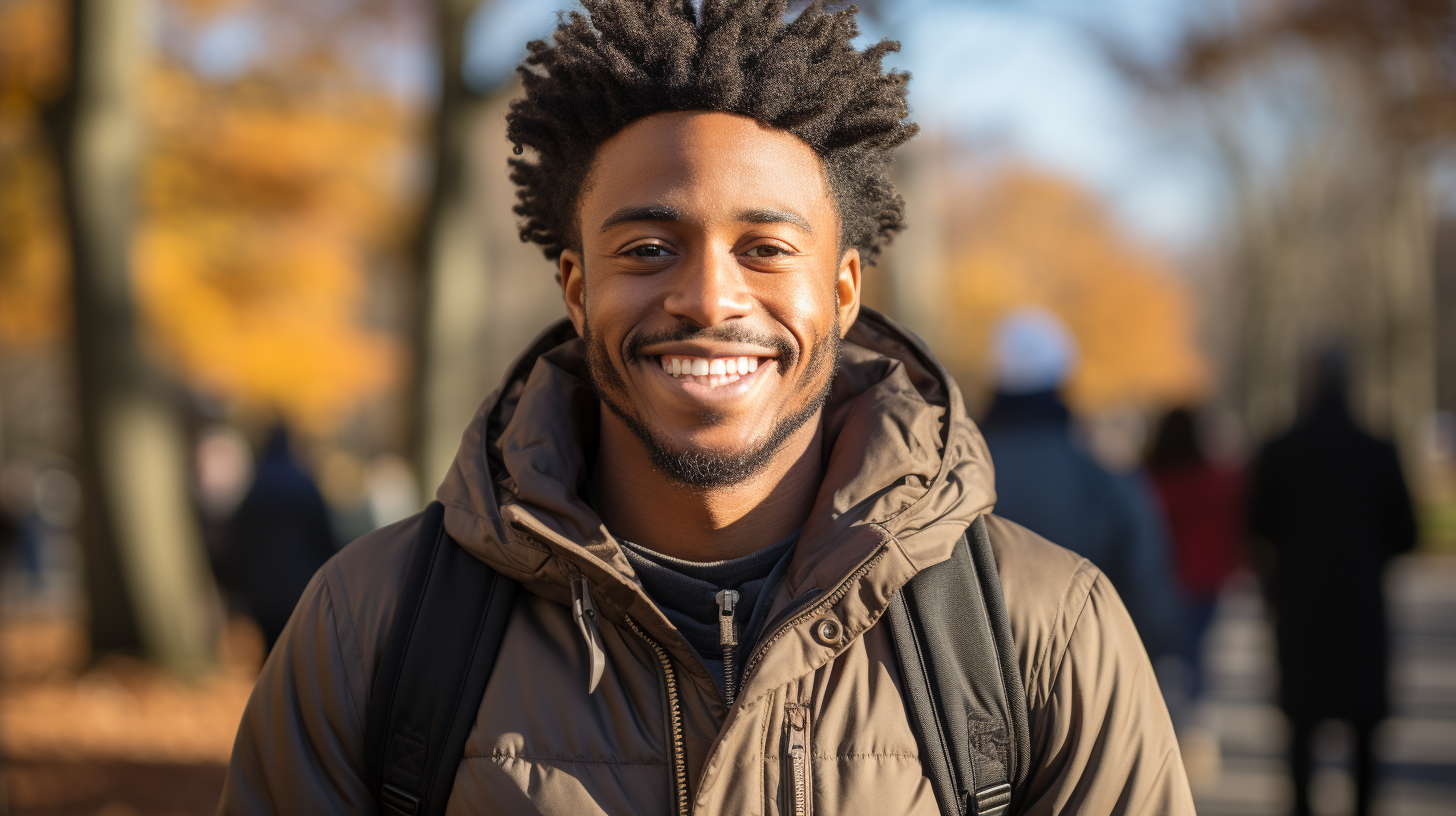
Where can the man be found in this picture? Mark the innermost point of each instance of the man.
(1050, 484)
(1328, 509)
(717, 414)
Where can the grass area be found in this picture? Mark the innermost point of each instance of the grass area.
(1438, 527)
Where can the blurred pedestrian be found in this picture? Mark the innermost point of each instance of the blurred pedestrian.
(15, 507)
(278, 538)
(20, 525)
(1329, 503)
(1050, 484)
(1200, 501)
(223, 468)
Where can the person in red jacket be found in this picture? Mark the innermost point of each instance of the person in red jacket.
(1200, 499)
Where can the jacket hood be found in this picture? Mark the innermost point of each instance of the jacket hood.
(904, 461)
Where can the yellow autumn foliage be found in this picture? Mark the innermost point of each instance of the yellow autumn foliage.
(262, 312)
(33, 47)
(263, 213)
(1031, 237)
(340, 163)
(34, 309)
(266, 207)
(33, 263)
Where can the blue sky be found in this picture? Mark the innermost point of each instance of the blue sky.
(1017, 78)
(1027, 78)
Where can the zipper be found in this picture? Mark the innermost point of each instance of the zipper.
(839, 592)
(797, 754)
(674, 721)
(728, 639)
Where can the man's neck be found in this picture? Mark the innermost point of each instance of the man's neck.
(639, 503)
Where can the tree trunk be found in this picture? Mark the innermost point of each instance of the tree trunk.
(451, 282)
(145, 573)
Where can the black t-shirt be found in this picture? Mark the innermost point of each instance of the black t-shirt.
(687, 593)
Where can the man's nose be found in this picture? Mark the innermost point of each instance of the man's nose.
(710, 289)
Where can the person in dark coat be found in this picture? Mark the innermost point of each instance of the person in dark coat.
(277, 539)
(1049, 484)
(1330, 504)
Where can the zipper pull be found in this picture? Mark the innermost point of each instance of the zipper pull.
(728, 639)
(727, 631)
(587, 620)
(797, 749)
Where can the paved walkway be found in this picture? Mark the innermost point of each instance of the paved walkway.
(1417, 746)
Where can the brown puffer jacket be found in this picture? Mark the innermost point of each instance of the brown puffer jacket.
(906, 472)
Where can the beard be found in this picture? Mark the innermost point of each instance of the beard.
(697, 467)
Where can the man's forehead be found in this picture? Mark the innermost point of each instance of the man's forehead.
(670, 165)
(719, 129)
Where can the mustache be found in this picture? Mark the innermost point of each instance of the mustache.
(788, 353)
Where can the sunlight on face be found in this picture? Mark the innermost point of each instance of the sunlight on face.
(711, 289)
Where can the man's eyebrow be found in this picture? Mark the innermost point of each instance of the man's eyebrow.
(662, 212)
(656, 212)
(770, 216)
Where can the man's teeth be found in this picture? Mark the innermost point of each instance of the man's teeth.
(710, 372)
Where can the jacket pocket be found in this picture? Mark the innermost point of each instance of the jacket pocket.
(798, 775)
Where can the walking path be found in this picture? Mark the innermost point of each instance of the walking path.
(1417, 746)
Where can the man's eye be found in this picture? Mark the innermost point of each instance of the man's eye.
(647, 251)
(766, 251)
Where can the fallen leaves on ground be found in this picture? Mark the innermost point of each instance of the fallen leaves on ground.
(121, 709)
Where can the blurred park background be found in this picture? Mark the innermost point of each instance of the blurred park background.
(223, 218)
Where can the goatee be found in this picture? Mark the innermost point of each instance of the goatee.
(695, 467)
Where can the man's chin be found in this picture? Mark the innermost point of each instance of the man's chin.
(680, 448)
(713, 451)
(702, 458)
(703, 469)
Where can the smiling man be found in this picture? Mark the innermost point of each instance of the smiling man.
(680, 541)
(718, 292)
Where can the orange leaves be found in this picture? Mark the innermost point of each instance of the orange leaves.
(263, 312)
(33, 258)
(33, 49)
(250, 148)
(266, 210)
(1034, 238)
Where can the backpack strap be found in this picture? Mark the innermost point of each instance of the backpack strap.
(438, 654)
(962, 683)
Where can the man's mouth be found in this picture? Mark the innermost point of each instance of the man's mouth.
(710, 371)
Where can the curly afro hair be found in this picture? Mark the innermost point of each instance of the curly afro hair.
(626, 59)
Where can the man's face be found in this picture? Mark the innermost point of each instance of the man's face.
(710, 289)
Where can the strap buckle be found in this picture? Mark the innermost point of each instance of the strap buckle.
(991, 801)
(398, 801)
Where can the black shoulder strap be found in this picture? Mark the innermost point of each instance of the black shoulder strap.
(963, 686)
(438, 655)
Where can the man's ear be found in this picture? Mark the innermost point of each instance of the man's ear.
(846, 285)
(572, 278)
